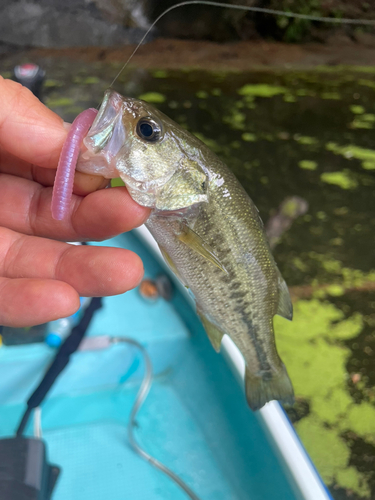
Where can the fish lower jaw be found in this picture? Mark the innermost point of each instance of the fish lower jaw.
(96, 165)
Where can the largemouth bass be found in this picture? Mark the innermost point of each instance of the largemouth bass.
(208, 230)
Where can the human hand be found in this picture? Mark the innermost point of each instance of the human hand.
(41, 279)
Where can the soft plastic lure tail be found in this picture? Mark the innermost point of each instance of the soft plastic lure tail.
(63, 186)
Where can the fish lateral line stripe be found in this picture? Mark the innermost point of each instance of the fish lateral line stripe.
(248, 8)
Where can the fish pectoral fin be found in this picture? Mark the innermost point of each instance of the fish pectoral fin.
(213, 333)
(262, 388)
(284, 307)
(196, 243)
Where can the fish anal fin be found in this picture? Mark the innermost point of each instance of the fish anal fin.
(196, 243)
(285, 307)
(213, 333)
(260, 389)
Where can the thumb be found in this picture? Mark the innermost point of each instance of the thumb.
(28, 129)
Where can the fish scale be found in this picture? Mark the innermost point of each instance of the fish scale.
(207, 228)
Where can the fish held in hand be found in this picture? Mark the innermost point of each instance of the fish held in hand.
(208, 230)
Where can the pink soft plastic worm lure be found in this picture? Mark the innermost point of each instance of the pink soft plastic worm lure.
(63, 186)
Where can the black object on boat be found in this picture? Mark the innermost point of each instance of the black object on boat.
(60, 361)
(25, 472)
(31, 76)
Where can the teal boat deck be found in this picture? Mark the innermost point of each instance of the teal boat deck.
(195, 419)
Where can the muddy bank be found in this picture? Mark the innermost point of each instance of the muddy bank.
(238, 56)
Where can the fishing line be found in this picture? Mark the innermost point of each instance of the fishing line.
(141, 396)
(263, 10)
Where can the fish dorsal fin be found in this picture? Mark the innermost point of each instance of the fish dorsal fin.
(196, 243)
(285, 307)
(213, 332)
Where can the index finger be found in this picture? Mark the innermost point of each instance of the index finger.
(28, 129)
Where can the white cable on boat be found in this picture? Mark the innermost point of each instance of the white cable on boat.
(38, 422)
(141, 396)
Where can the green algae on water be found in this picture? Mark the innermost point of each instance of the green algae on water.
(261, 90)
(249, 137)
(306, 140)
(308, 164)
(153, 97)
(202, 94)
(363, 121)
(59, 102)
(319, 376)
(357, 109)
(341, 179)
(160, 73)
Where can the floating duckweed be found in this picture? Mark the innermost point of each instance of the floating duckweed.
(335, 290)
(356, 109)
(363, 121)
(368, 164)
(52, 83)
(352, 480)
(87, 80)
(90, 80)
(173, 104)
(59, 102)
(367, 83)
(289, 98)
(324, 327)
(202, 94)
(235, 120)
(154, 97)
(341, 211)
(290, 208)
(261, 90)
(336, 242)
(351, 151)
(321, 215)
(305, 92)
(308, 164)
(268, 137)
(160, 73)
(216, 92)
(330, 95)
(264, 179)
(361, 419)
(248, 136)
(303, 139)
(357, 123)
(299, 264)
(341, 179)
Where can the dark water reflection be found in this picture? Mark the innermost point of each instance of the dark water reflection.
(285, 134)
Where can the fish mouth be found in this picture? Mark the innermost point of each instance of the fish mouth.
(105, 139)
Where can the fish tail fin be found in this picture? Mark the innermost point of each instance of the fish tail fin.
(272, 385)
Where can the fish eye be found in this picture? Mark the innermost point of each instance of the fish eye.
(148, 129)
